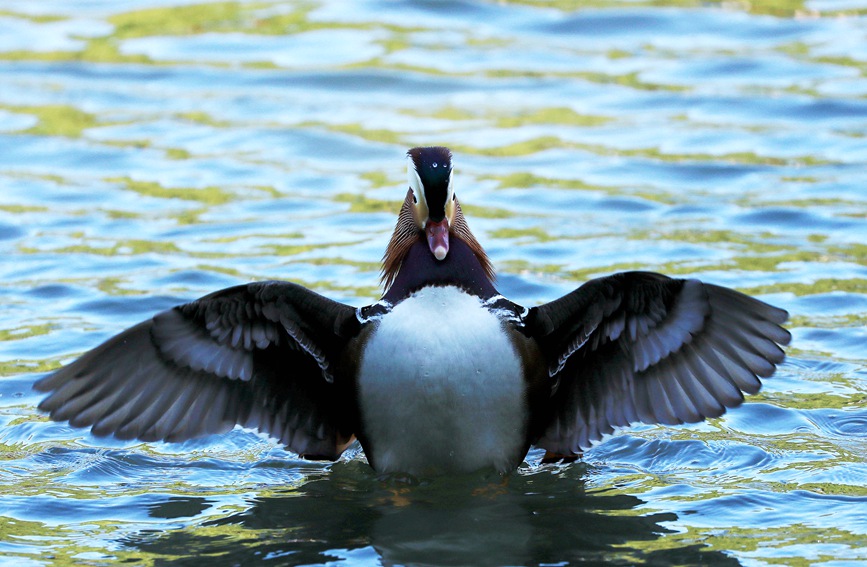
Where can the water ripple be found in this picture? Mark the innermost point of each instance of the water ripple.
(155, 151)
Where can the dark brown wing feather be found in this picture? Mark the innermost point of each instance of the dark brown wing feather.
(639, 346)
(259, 355)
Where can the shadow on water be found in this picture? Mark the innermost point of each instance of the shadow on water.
(349, 515)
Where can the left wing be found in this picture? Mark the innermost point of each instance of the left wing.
(261, 355)
(639, 346)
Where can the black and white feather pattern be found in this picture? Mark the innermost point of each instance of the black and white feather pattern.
(642, 347)
(239, 356)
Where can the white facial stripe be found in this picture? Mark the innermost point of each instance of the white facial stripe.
(450, 192)
(415, 183)
(420, 210)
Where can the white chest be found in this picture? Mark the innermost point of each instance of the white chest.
(441, 388)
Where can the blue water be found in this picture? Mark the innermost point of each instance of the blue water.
(151, 153)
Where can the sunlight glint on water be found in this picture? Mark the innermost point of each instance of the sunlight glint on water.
(155, 152)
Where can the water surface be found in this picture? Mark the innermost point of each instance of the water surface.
(156, 151)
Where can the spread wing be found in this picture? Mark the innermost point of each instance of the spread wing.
(639, 346)
(260, 355)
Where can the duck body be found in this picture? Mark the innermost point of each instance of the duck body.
(442, 374)
(445, 394)
(442, 397)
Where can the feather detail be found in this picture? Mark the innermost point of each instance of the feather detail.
(639, 346)
(461, 229)
(406, 233)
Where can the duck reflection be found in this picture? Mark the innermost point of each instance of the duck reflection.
(351, 516)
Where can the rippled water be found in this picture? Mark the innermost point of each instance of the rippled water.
(151, 152)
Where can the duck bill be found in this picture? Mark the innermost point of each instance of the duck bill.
(438, 237)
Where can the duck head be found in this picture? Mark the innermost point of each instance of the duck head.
(430, 212)
(429, 171)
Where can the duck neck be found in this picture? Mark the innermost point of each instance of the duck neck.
(459, 268)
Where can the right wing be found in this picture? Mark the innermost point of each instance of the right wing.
(640, 346)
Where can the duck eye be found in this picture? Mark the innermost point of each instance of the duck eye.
(414, 199)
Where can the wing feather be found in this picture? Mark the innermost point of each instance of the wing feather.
(639, 346)
(244, 355)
